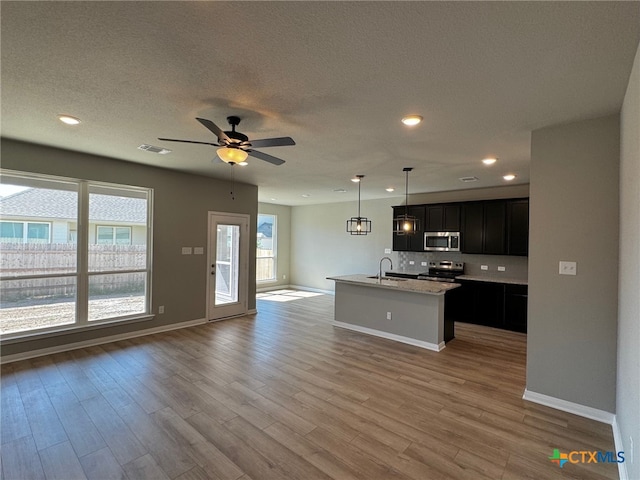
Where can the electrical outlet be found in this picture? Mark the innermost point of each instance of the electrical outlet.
(424, 264)
(161, 309)
(501, 268)
(484, 267)
(388, 315)
(568, 268)
(387, 250)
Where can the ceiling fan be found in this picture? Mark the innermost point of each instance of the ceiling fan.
(235, 146)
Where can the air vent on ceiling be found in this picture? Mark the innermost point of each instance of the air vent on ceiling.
(468, 179)
(153, 149)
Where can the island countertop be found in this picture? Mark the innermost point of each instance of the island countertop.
(403, 284)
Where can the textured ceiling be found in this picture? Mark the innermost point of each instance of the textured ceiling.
(335, 76)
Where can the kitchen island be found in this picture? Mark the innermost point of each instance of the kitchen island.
(404, 310)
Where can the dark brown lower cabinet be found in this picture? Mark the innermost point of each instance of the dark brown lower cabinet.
(515, 307)
(492, 304)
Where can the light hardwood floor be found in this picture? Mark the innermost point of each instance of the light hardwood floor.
(284, 395)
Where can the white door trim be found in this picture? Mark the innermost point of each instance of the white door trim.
(243, 220)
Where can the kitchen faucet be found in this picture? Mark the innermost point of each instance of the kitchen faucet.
(380, 270)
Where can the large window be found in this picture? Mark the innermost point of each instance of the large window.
(74, 253)
(266, 253)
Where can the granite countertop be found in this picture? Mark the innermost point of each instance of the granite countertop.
(494, 279)
(404, 284)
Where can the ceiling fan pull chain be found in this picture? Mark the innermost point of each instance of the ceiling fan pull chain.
(233, 181)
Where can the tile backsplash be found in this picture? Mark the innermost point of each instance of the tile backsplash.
(514, 267)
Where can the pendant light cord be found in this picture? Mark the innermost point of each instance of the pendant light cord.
(406, 193)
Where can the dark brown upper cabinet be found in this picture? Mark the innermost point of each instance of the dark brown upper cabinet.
(496, 227)
(442, 218)
(518, 227)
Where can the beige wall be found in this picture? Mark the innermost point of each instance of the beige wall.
(321, 247)
(628, 387)
(571, 341)
(181, 206)
(283, 243)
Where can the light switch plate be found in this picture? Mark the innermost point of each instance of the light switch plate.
(198, 250)
(568, 268)
(411, 262)
(186, 250)
(484, 267)
(501, 268)
(387, 250)
(424, 264)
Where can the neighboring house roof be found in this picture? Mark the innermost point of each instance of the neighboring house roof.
(266, 228)
(59, 204)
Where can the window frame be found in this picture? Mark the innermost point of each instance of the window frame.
(274, 247)
(82, 273)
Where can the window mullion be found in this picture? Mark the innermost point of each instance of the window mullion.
(82, 292)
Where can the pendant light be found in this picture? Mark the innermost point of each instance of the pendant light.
(406, 224)
(359, 225)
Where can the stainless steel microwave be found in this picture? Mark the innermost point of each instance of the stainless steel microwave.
(442, 241)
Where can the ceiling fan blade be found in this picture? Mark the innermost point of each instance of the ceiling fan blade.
(187, 141)
(214, 128)
(272, 142)
(266, 157)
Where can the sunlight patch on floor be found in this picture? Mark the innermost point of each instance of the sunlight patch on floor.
(285, 295)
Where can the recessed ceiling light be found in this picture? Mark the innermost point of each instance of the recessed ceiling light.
(390, 189)
(306, 195)
(68, 119)
(243, 164)
(411, 120)
(274, 199)
(355, 179)
(489, 160)
(509, 177)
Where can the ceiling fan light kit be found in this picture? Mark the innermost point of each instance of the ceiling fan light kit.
(358, 225)
(232, 155)
(236, 146)
(406, 224)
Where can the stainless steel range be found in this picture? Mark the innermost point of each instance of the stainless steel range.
(443, 271)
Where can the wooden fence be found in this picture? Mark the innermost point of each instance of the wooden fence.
(17, 260)
(265, 267)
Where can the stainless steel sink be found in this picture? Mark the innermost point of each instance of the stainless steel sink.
(394, 279)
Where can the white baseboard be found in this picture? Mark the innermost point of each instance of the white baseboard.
(391, 336)
(99, 341)
(570, 407)
(619, 446)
